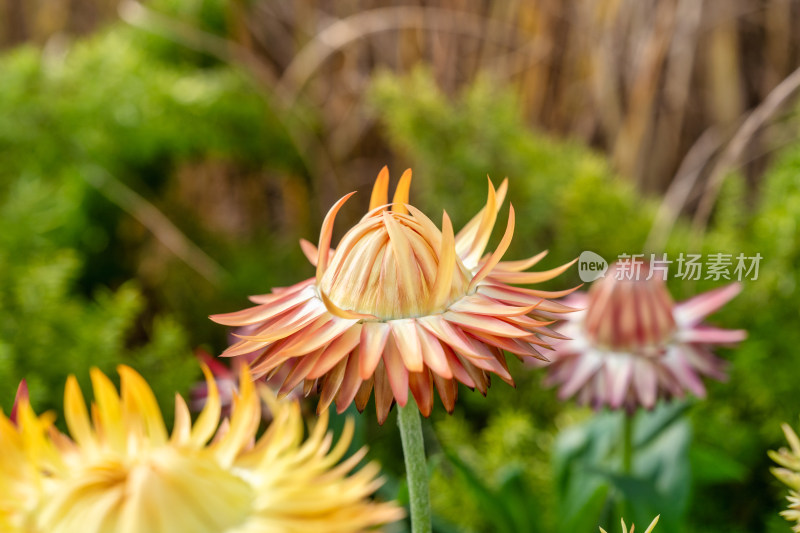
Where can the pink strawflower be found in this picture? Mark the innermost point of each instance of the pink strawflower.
(632, 345)
(400, 306)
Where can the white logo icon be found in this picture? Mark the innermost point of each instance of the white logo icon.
(591, 266)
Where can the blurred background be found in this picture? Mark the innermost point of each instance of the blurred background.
(160, 160)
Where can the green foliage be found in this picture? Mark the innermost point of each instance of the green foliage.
(587, 461)
(744, 416)
(115, 102)
(48, 330)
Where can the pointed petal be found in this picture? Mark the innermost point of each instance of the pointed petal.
(330, 385)
(408, 343)
(645, 382)
(325, 235)
(619, 379)
(478, 376)
(466, 236)
(336, 351)
(459, 371)
(522, 264)
(136, 393)
(208, 420)
(363, 394)
(680, 368)
(478, 304)
(433, 353)
(401, 193)
(526, 278)
(309, 250)
(421, 386)
(587, 365)
(77, 416)
(485, 324)
(522, 296)
(350, 383)
(298, 373)
(396, 372)
(711, 335)
(484, 230)
(448, 392)
(440, 293)
(501, 249)
(383, 394)
(453, 335)
(22, 396)
(260, 313)
(380, 191)
(513, 345)
(373, 342)
(693, 310)
(281, 292)
(493, 364)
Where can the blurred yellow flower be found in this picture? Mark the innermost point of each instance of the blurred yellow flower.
(119, 471)
(399, 305)
(625, 528)
(789, 474)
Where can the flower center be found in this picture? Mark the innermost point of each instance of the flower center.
(628, 312)
(179, 491)
(387, 266)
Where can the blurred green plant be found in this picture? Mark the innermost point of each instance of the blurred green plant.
(49, 330)
(113, 105)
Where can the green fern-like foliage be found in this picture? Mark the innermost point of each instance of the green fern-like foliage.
(49, 329)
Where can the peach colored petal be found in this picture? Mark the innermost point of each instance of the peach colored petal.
(498, 253)
(380, 191)
(526, 278)
(396, 372)
(443, 283)
(325, 236)
(350, 383)
(336, 350)
(408, 343)
(433, 353)
(474, 251)
(421, 386)
(373, 342)
(485, 324)
(522, 264)
(468, 233)
(401, 193)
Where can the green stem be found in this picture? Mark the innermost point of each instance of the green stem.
(416, 470)
(627, 444)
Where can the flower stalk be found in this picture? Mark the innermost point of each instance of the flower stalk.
(627, 444)
(410, 424)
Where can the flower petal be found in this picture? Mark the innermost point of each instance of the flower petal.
(373, 342)
(408, 343)
(380, 191)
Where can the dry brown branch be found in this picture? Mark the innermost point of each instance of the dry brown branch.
(156, 222)
(755, 120)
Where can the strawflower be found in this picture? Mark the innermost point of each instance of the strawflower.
(400, 305)
(631, 345)
(118, 470)
(625, 528)
(789, 474)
